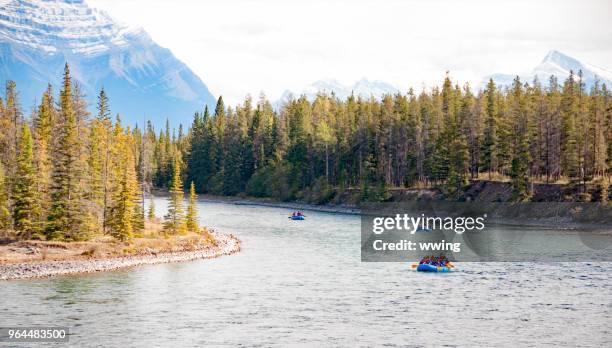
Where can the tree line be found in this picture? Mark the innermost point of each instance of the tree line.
(442, 137)
(65, 175)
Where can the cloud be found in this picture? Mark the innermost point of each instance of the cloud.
(241, 47)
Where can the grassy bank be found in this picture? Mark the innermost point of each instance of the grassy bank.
(37, 259)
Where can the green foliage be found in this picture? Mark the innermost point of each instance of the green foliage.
(521, 158)
(25, 203)
(602, 186)
(86, 177)
(151, 210)
(67, 216)
(175, 218)
(126, 215)
(191, 218)
(43, 130)
(440, 138)
(5, 214)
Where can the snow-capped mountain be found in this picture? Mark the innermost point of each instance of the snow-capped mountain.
(557, 64)
(363, 88)
(141, 78)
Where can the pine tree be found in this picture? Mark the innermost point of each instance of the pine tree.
(67, 216)
(11, 121)
(198, 162)
(96, 188)
(5, 214)
(123, 217)
(191, 219)
(102, 159)
(569, 132)
(43, 132)
(175, 218)
(325, 137)
(489, 150)
(25, 204)
(151, 211)
(520, 171)
(521, 158)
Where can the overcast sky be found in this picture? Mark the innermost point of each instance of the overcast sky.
(241, 47)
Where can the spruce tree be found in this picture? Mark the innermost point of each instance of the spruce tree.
(102, 157)
(489, 150)
(151, 211)
(175, 218)
(11, 122)
(67, 216)
(123, 217)
(95, 166)
(25, 204)
(519, 171)
(569, 131)
(43, 132)
(5, 214)
(191, 219)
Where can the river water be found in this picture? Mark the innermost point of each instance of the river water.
(302, 283)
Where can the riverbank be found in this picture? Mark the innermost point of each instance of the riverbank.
(270, 202)
(23, 260)
(326, 208)
(557, 215)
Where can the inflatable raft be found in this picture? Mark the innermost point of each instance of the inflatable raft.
(297, 217)
(424, 267)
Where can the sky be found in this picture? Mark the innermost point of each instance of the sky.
(241, 47)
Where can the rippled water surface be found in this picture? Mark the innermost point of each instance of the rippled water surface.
(302, 282)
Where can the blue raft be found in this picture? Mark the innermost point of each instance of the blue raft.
(424, 267)
(297, 217)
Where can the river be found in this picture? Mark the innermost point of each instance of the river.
(302, 283)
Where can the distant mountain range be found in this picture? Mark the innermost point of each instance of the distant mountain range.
(141, 78)
(557, 64)
(363, 88)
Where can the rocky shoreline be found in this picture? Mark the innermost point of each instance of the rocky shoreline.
(227, 244)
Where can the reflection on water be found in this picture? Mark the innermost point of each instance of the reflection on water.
(302, 282)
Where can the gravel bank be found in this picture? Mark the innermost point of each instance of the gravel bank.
(227, 245)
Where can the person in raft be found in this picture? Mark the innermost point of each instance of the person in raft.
(435, 260)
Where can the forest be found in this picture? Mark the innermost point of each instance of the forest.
(66, 174)
(441, 138)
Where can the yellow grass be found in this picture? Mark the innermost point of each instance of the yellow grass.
(151, 241)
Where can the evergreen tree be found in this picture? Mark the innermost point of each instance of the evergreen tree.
(124, 212)
(25, 204)
(43, 129)
(5, 214)
(151, 211)
(191, 219)
(569, 110)
(101, 162)
(67, 215)
(489, 151)
(175, 218)
(521, 158)
(11, 121)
